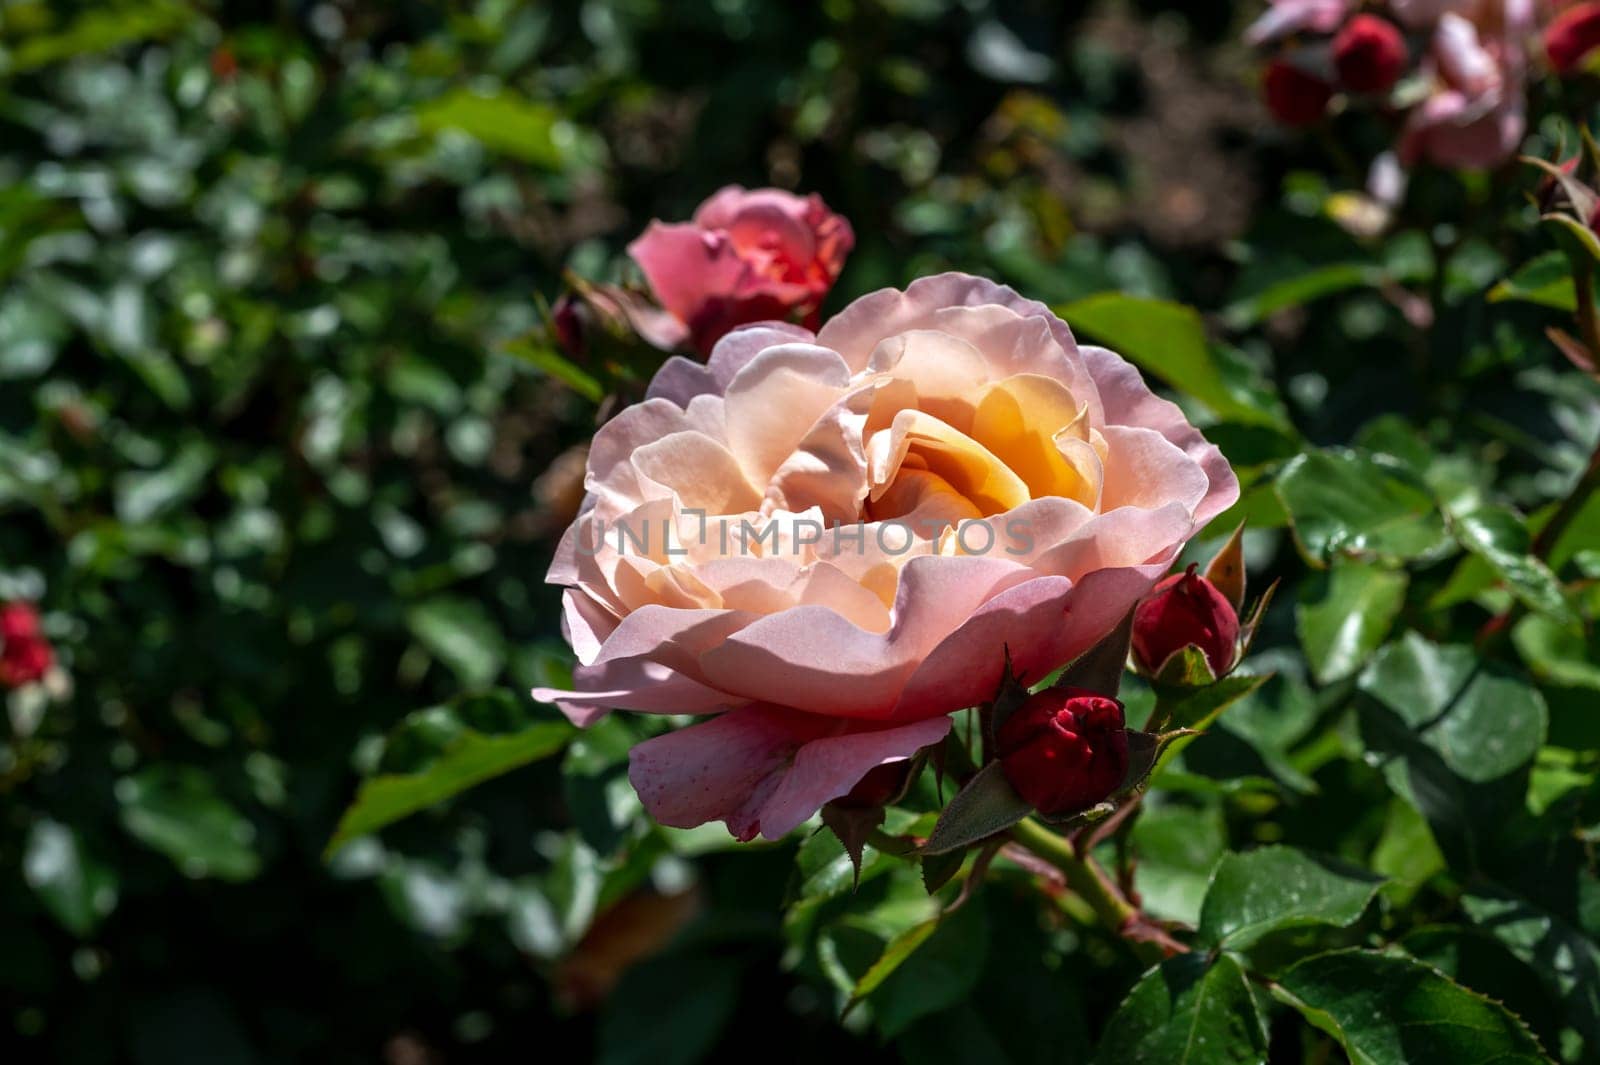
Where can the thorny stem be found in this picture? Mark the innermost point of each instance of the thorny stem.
(1550, 535)
(1089, 882)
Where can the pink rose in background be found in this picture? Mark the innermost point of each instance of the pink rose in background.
(1285, 17)
(749, 255)
(831, 541)
(1572, 36)
(1470, 78)
(1475, 115)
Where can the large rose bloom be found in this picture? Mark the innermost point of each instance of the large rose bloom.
(997, 488)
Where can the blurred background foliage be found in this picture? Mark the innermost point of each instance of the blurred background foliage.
(277, 465)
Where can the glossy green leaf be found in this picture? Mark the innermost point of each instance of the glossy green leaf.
(1169, 341)
(1189, 1010)
(443, 754)
(461, 633)
(1345, 613)
(176, 810)
(926, 968)
(1565, 960)
(1559, 653)
(1301, 289)
(1272, 888)
(1500, 538)
(1482, 721)
(78, 888)
(1545, 280)
(1343, 502)
(502, 121)
(1387, 1009)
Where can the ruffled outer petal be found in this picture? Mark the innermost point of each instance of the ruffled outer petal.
(765, 769)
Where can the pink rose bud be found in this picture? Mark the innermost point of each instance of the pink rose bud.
(1064, 749)
(1294, 97)
(1185, 609)
(25, 655)
(1572, 36)
(1369, 54)
(749, 255)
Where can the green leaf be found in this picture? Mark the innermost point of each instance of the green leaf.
(1345, 613)
(1168, 340)
(99, 31)
(1301, 289)
(1566, 961)
(502, 121)
(1559, 653)
(1545, 280)
(177, 811)
(1347, 502)
(461, 634)
(1272, 888)
(648, 1020)
(1500, 538)
(1197, 708)
(1389, 1009)
(455, 756)
(1482, 722)
(1177, 847)
(552, 363)
(988, 804)
(924, 969)
(1189, 1010)
(78, 889)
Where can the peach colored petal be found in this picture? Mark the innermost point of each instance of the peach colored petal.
(775, 399)
(1129, 401)
(763, 769)
(702, 473)
(681, 380)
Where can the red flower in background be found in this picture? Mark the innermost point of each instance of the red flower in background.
(1572, 36)
(749, 255)
(25, 654)
(1369, 54)
(1294, 97)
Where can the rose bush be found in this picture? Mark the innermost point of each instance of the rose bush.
(863, 523)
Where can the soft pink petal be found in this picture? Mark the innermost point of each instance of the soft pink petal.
(642, 686)
(684, 263)
(763, 769)
(813, 659)
(1129, 401)
(1043, 624)
(775, 399)
(681, 380)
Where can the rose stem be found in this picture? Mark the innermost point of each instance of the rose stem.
(1088, 881)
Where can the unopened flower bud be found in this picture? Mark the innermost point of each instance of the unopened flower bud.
(1369, 54)
(1185, 609)
(1064, 749)
(1572, 36)
(1294, 97)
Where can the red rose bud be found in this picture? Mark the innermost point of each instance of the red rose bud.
(1572, 36)
(1369, 54)
(1294, 97)
(568, 325)
(1064, 749)
(25, 655)
(1185, 609)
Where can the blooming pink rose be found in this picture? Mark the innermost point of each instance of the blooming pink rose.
(833, 541)
(1476, 113)
(750, 255)
(1295, 16)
